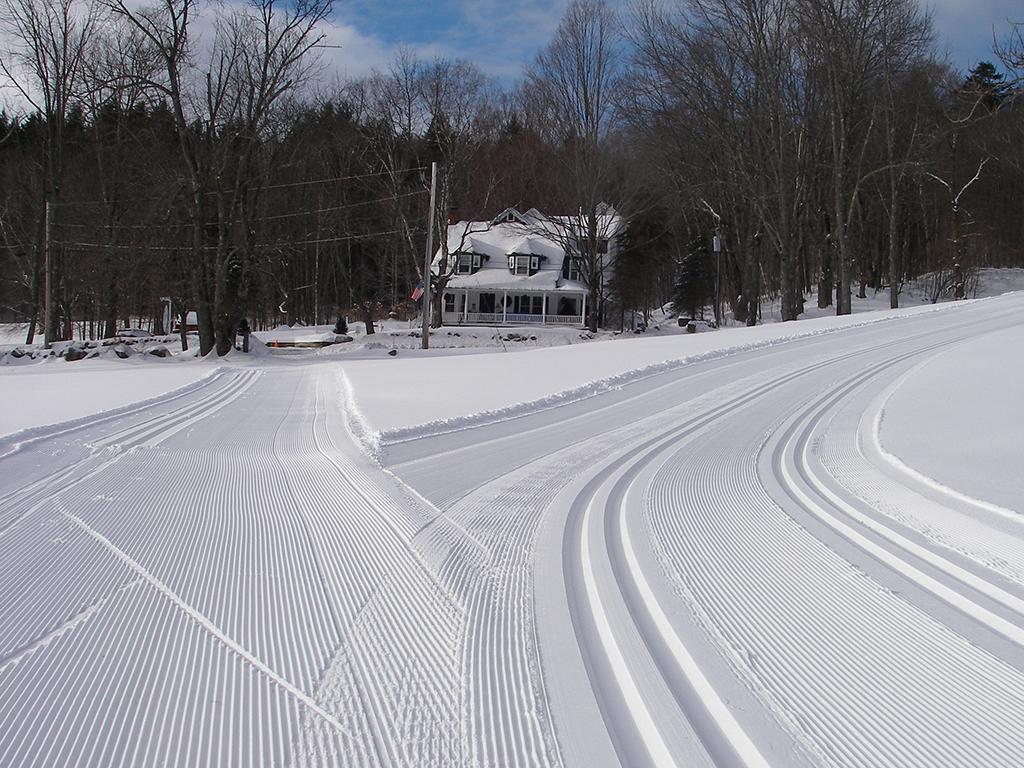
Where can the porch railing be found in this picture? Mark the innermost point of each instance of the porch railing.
(496, 318)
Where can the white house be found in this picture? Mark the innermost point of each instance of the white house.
(519, 268)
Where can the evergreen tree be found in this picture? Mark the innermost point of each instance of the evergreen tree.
(986, 84)
(694, 283)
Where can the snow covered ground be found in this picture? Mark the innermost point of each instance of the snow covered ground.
(55, 391)
(958, 418)
(409, 394)
(793, 545)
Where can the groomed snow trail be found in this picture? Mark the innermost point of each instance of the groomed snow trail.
(713, 566)
(715, 581)
(243, 592)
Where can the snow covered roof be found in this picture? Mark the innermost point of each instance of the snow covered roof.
(501, 279)
(512, 233)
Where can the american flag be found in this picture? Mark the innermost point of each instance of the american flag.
(417, 291)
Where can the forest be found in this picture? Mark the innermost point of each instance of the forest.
(825, 145)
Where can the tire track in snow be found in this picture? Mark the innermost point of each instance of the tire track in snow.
(587, 550)
(499, 732)
(582, 582)
(846, 457)
(791, 459)
(775, 633)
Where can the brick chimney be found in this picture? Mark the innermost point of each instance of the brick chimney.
(453, 215)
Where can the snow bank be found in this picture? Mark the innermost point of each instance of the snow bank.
(407, 397)
(957, 421)
(55, 391)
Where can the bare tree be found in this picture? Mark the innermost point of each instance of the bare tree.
(951, 275)
(261, 52)
(46, 44)
(458, 99)
(575, 81)
(849, 42)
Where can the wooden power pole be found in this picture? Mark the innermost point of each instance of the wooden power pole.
(429, 257)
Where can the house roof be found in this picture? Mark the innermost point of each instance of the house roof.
(514, 233)
(501, 279)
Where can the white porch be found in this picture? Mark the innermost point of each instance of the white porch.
(475, 307)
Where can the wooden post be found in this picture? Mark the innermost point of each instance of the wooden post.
(504, 306)
(543, 309)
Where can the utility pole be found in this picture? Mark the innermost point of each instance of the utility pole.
(49, 289)
(429, 257)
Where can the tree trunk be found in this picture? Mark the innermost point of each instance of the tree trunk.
(51, 330)
(437, 304)
(36, 268)
(894, 293)
(752, 281)
(183, 330)
(593, 310)
(825, 279)
(790, 295)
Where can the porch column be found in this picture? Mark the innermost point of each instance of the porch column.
(543, 309)
(504, 305)
(465, 306)
(583, 315)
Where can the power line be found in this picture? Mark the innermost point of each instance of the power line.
(353, 237)
(346, 178)
(287, 185)
(273, 217)
(340, 207)
(342, 238)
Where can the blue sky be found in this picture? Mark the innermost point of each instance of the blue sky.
(501, 35)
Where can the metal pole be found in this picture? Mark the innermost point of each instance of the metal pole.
(49, 288)
(429, 257)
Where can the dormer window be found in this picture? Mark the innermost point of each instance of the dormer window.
(523, 265)
(468, 264)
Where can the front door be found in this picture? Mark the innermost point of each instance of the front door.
(487, 302)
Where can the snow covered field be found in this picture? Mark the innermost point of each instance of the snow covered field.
(409, 394)
(792, 545)
(50, 393)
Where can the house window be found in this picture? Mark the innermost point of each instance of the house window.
(468, 263)
(524, 265)
(571, 268)
(528, 305)
(449, 302)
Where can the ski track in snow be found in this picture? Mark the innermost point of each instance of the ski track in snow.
(714, 565)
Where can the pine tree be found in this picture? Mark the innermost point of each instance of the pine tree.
(987, 85)
(694, 282)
